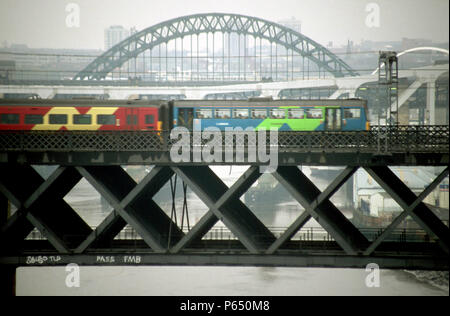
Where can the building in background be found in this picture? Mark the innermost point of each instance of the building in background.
(44, 63)
(293, 24)
(115, 34)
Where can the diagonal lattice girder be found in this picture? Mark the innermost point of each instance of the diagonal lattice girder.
(332, 188)
(134, 203)
(114, 223)
(321, 209)
(40, 204)
(213, 23)
(210, 219)
(225, 205)
(406, 212)
(17, 227)
(413, 207)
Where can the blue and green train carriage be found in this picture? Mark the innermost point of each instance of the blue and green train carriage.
(283, 115)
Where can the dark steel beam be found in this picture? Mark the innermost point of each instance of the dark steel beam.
(408, 201)
(102, 235)
(309, 158)
(306, 215)
(197, 232)
(45, 209)
(224, 204)
(388, 261)
(406, 212)
(210, 219)
(325, 213)
(4, 209)
(35, 200)
(133, 205)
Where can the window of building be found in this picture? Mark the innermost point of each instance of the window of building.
(259, 113)
(34, 119)
(9, 118)
(222, 113)
(58, 119)
(82, 119)
(106, 119)
(240, 113)
(277, 113)
(296, 113)
(314, 113)
(352, 113)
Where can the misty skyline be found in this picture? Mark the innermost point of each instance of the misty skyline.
(42, 24)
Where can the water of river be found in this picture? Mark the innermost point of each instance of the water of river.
(227, 281)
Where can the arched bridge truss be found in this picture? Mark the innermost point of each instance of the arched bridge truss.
(234, 40)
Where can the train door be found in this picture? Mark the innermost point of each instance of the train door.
(186, 118)
(131, 119)
(148, 119)
(333, 119)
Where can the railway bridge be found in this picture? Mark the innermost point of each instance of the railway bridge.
(159, 240)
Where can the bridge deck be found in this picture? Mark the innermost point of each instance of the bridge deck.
(402, 145)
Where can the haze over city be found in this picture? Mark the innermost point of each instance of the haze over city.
(40, 24)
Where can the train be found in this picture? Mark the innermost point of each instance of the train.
(194, 115)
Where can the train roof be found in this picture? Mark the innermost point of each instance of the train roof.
(269, 103)
(81, 103)
(257, 102)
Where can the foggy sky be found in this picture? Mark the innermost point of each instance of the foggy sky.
(42, 23)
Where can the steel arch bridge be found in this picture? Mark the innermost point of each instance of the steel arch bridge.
(213, 23)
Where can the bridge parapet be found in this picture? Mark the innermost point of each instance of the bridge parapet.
(408, 138)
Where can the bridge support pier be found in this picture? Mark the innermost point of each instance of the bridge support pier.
(7, 280)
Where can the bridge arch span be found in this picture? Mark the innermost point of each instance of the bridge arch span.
(197, 24)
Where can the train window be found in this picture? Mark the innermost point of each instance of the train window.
(131, 119)
(9, 118)
(222, 113)
(352, 113)
(58, 119)
(240, 113)
(314, 113)
(296, 113)
(277, 113)
(34, 119)
(106, 119)
(82, 119)
(259, 113)
(149, 119)
(204, 113)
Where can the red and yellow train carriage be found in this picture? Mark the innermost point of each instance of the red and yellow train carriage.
(74, 115)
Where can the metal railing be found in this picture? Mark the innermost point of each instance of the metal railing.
(379, 139)
(304, 234)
